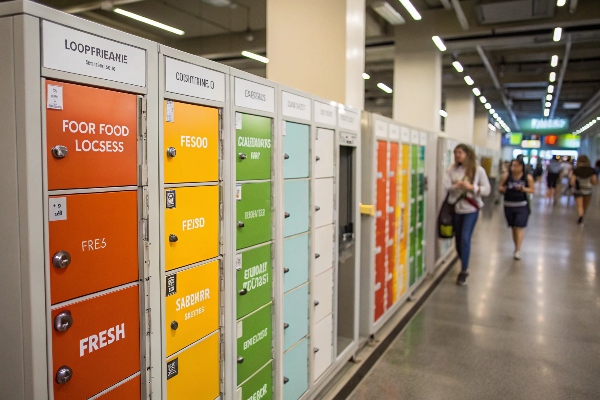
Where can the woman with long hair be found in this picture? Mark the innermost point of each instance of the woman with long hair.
(515, 186)
(582, 179)
(466, 183)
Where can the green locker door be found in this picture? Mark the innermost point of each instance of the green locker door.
(260, 386)
(254, 343)
(253, 147)
(254, 279)
(253, 211)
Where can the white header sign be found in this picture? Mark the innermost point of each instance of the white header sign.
(295, 106)
(254, 95)
(381, 129)
(348, 119)
(193, 80)
(405, 134)
(70, 50)
(325, 113)
(394, 132)
(423, 139)
(414, 136)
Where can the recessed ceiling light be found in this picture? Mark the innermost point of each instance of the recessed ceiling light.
(255, 56)
(443, 113)
(458, 66)
(476, 92)
(483, 99)
(411, 9)
(554, 61)
(548, 104)
(492, 111)
(384, 87)
(439, 43)
(552, 76)
(148, 21)
(549, 97)
(469, 80)
(557, 34)
(560, 3)
(546, 112)
(366, 76)
(550, 88)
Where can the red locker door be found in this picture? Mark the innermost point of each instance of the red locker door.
(380, 227)
(391, 239)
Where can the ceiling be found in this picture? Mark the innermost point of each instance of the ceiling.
(515, 36)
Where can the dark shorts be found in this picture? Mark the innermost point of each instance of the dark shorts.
(552, 179)
(517, 216)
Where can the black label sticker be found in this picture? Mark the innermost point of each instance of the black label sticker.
(171, 285)
(170, 200)
(172, 368)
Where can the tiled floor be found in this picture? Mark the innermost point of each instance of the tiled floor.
(526, 329)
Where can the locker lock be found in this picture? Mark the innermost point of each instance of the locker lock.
(171, 152)
(240, 359)
(317, 255)
(286, 156)
(317, 158)
(285, 380)
(174, 325)
(240, 224)
(316, 350)
(317, 208)
(61, 259)
(242, 156)
(286, 215)
(286, 325)
(64, 375)
(59, 151)
(286, 270)
(173, 238)
(316, 302)
(243, 291)
(63, 321)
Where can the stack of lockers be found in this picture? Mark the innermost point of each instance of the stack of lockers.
(254, 245)
(94, 241)
(192, 256)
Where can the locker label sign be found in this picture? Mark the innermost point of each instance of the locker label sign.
(295, 106)
(348, 120)
(55, 97)
(325, 113)
(57, 209)
(254, 95)
(193, 80)
(171, 285)
(74, 51)
(173, 368)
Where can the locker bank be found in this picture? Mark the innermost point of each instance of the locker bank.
(179, 229)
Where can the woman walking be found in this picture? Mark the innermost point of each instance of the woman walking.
(515, 185)
(582, 179)
(466, 183)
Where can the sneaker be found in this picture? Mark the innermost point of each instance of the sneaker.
(517, 255)
(580, 220)
(462, 278)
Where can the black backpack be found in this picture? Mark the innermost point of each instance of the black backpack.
(446, 220)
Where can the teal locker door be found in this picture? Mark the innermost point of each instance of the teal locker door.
(295, 371)
(296, 150)
(295, 316)
(295, 261)
(296, 197)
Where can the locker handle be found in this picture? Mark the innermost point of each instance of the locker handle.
(317, 255)
(317, 158)
(286, 156)
(60, 151)
(240, 224)
(316, 302)
(317, 208)
(242, 156)
(286, 270)
(316, 350)
(240, 359)
(63, 375)
(286, 325)
(171, 152)
(63, 321)
(174, 325)
(173, 238)
(286, 215)
(61, 259)
(285, 380)
(243, 291)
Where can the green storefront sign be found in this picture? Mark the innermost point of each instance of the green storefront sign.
(544, 125)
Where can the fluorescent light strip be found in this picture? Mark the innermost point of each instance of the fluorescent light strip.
(554, 61)
(549, 97)
(476, 92)
(557, 34)
(492, 111)
(487, 106)
(546, 112)
(384, 87)
(443, 113)
(550, 88)
(483, 99)
(149, 21)
(469, 80)
(255, 56)
(548, 104)
(387, 12)
(411, 9)
(552, 76)
(366, 76)
(495, 115)
(439, 43)
(560, 3)
(458, 66)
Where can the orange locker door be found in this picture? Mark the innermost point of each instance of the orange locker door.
(92, 140)
(95, 343)
(392, 238)
(380, 228)
(129, 390)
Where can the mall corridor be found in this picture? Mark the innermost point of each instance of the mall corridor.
(526, 329)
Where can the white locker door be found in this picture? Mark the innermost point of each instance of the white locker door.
(324, 242)
(323, 295)
(323, 201)
(324, 153)
(323, 346)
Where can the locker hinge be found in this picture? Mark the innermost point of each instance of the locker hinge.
(143, 136)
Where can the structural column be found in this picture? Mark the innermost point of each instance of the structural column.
(460, 122)
(483, 135)
(318, 47)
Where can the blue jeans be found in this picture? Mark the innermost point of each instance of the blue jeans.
(464, 224)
